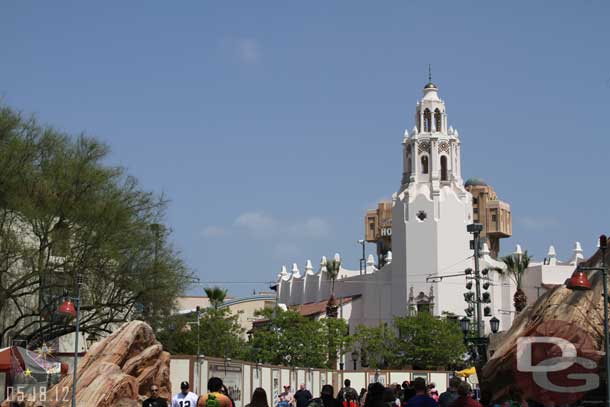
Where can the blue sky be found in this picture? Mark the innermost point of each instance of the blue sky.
(272, 126)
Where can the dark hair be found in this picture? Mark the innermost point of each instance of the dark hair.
(388, 395)
(259, 398)
(347, 382)
(215, 384)
(375, 394)
(463, 389)
(419, 384)
(454, 382)
(327, 391)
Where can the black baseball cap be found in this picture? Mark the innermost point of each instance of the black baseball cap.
(184, 385)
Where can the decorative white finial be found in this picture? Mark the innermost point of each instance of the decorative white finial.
(552, 253)
(388, 257)
(485, 250)
(577, 257)
(295, 271)
(406, 134)
(284, 271)
(337, 257)
(414, 132)
(456, 133)
(309, 268)
(370, 261)
(450, 129)
(518, 250)
(323, 264)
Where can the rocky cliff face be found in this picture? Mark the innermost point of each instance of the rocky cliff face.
(116, 371)
(574, 316)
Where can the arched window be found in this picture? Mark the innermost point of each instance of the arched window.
(424, 164)
(437, 120)
(444, 168)
(427, 120)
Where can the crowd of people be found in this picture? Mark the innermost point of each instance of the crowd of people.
(416, 393)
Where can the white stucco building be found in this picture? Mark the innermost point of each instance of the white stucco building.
(430, 212)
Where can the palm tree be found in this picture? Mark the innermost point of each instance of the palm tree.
(516, 264)
(332, 268)
(216, 295)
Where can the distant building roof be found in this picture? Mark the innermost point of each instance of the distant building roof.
(473, 182)
(316, 308)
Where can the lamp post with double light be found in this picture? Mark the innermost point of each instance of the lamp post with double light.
(478, 342)
(580, 281)
(68, 308)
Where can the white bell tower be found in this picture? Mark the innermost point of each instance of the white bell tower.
(430, 212)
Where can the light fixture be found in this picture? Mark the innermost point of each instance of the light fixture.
(67, 308)
(486, 285)
(495, 325)
(465, 325)
(487, 311)
(468, 271)
(579, 281)
(469, 285)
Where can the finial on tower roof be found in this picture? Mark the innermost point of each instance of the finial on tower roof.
(429, 73)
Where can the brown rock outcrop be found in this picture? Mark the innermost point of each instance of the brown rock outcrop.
(576, 316)
(116, 370)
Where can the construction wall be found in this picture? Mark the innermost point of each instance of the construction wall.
(241, 378)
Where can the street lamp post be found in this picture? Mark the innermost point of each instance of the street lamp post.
(362, 242)
(67, 308)
(355, 358)
(579, 281)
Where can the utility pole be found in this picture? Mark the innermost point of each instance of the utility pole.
(362, 242)
(475, 229)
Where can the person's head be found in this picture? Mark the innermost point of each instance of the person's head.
(454, 383)
(375, 393)
(287, 388)
(154, 391)
(388, 395)
(347, 382)
(405, 384)
(215, 385)
(302, 386)
(327, 391)
(431, 386)
(184, 387)
(419, 384)
(259, 398)
(464, 389)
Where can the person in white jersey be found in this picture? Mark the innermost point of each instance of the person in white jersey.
(185, 398)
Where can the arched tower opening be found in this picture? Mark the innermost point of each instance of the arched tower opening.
(427, 120)
(438, 120)
(444, 168)
(424, 164)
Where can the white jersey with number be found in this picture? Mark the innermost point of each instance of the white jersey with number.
(185, 400)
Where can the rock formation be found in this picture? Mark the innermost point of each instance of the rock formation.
(576, 316)
(116, 371)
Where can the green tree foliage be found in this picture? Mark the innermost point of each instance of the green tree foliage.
(220, 334)
(292, 339)
(426, 342)
(516, 264)
(216, 295)
(372, 344)
(64, 212)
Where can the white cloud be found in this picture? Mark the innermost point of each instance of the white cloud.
(214, 231)
(537, 223)
(260, 224)
(257, 223)
(248, 50)
(313, 227)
